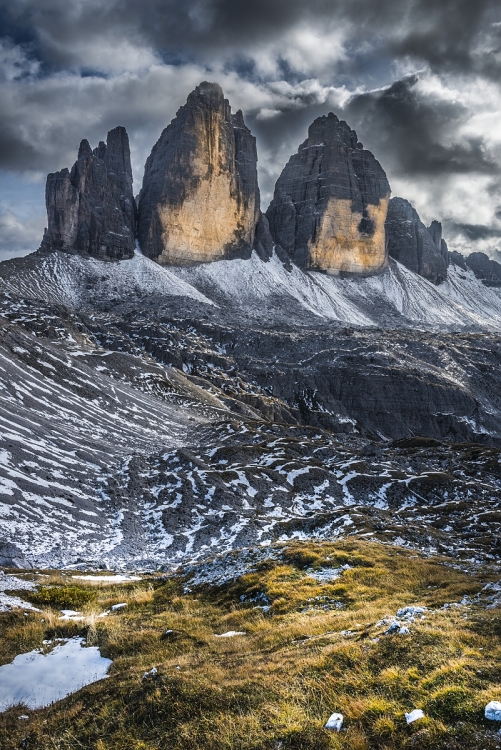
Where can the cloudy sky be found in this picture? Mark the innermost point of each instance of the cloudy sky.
(420, 81)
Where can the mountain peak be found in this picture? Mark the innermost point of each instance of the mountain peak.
(330, 202)
(200, 198)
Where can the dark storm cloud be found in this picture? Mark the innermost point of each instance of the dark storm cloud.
(15, 153)
(477, 231)
(410, 132)
(445, 34)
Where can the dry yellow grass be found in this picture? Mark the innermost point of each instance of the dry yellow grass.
(275, 687)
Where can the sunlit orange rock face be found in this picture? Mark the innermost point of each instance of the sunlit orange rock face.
(200, 196)
(330, 203)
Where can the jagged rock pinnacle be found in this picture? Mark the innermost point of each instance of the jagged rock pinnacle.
(420, 249)
(91, 210)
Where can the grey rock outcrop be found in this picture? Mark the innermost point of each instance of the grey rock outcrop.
(435, 230)
(330, 203)
(412, 244)
(458, 260)
(12, 557)
(91, 209)
(200, 199)
(485, 269)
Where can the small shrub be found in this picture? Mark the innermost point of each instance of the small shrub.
(452, 704)
(307, 738)
(301, 558)
(445, 676)
(62, 597)
(376, 707)
(383, 728)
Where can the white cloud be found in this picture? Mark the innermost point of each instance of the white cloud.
(15, 62)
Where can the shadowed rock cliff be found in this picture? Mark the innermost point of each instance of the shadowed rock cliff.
(435, 230)
(419, 249)
(200, 198)
(484, 268)
(330, 203)
(91, 210)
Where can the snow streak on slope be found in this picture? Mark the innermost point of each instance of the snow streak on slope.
(64, 431)
(395, 297)
(252, 283)
(260, 291)
(257, 484)
(71, 280)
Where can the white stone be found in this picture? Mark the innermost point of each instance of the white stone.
(414, 716)
(335, 722)
(493, 711)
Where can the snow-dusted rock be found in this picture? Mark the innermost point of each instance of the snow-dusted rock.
(115, 578)
(334, 723)
(414, 715)
(230, 634)
(405, 613)
(493, 711)
(393, 629)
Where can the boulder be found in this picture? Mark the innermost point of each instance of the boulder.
(334, 722)
(414, 715)
(330, 203)
(91, 209)
(413, 245)
(493, 711)
(200, 199)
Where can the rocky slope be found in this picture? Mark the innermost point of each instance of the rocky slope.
(91, 209)
(329, 207)
(418, 248)
(154, 415)
(200, 198)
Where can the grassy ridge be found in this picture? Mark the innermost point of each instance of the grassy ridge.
(318, 649)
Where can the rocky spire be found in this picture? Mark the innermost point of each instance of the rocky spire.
(330, 202)
(91, 210)
(435, 229)
(420, 249)
(200, 198)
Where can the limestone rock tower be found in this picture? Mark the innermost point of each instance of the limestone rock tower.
(200, 198)
(91, 209)
(330, 203)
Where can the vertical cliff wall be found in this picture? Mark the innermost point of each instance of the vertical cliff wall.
(417, 247)
(91, 209)
(200, 197)
(330, 203)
